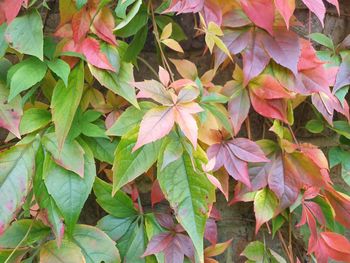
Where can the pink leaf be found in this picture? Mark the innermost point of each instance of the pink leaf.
(187, 123)
(158, 243)
(247, 150)
(286, 9)
(317, 7)
(164, 76)
(156, 123)
(239, 109)
(91, 50)
(211, 231)
(103, 26)
(80, 25)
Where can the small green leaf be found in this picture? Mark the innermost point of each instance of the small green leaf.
(254, 251)
(25, 34)
(24, 75)
(34, 119)
(315, 126)
(139, 21)
(322, 39)
(129, 165)
(115, 227)
(265, 205)
(136, 45)
(103, 149)
(130, 15)
(119, 205)
(60, 68)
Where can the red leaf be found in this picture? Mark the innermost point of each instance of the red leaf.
(80, 25)
(158, 243)
(165, 221)
(341, 205)
(286, 9)
(10, 9)
(336, 246)
(263, 19)
(157, 195)
(267, 87)
(91, 49)
(103, 26)
(185, 6)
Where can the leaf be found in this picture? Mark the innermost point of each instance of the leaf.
(217, 249)
(68, 252)
(265, 205)
(315, 126)
(254, 251)
(133, 11)
(129, 119)
(322, 39)
(92, 51)
(80, 25)
(10, 112)
(343, 76)
(34, 119)
(286, 9)
(186, 68)
(167, 31)
(118, 82)
(24, 75)
(68, 189)
(17, 169)
(317, 7)
(136, 45)
(87, 238)
(103, 25)
(119, 205)
(265, 19)
(80, 3)
(70, 157)
(172, 44)
(189, 194)
(60, 68)
(156, 124)
(103, 149)
(17, 232)
(25, 34)
(65, 101)
(3, 43)
(129, 164)
(45, 201)
(13, 256)
(115, 227)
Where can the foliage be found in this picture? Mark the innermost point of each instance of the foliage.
(79, 122)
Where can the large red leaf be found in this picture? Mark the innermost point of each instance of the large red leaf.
(80, 25)
(9, 9)
(261, 12)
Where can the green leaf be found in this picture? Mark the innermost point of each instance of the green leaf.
(129, 165)
(254, 251)
(95, 245)
(119, 205)
(132, 245)
(189, 194)
(136, 45)
(3, 43)
(25, 34)
(322, 39)
(118, 82)
(17, 170)
(130, 15)
(103, 149)
(315, 126)
(139, 21)
(17, 255)
(5, 65)
(277, 223)
(18, 230)
(10, 112)
(70, 157)
(129, 119)
(65, 102)
(122, 6)
(69, 190)
(24, 75)
(265, 205)
(45, 201)
(342, 128)
(222, 117)
(215, 97)
(115, 227)
(68, 252)
(34, 119)
(60, 68)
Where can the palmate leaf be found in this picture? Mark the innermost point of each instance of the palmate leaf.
(189, 193)
(17, 170)
(128, 165)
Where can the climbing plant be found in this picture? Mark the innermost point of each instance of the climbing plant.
(79, 124)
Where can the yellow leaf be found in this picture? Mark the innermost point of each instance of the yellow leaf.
(209, 40)
(171, 43)
(222, 46)
(215, 29)
(167, 30)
